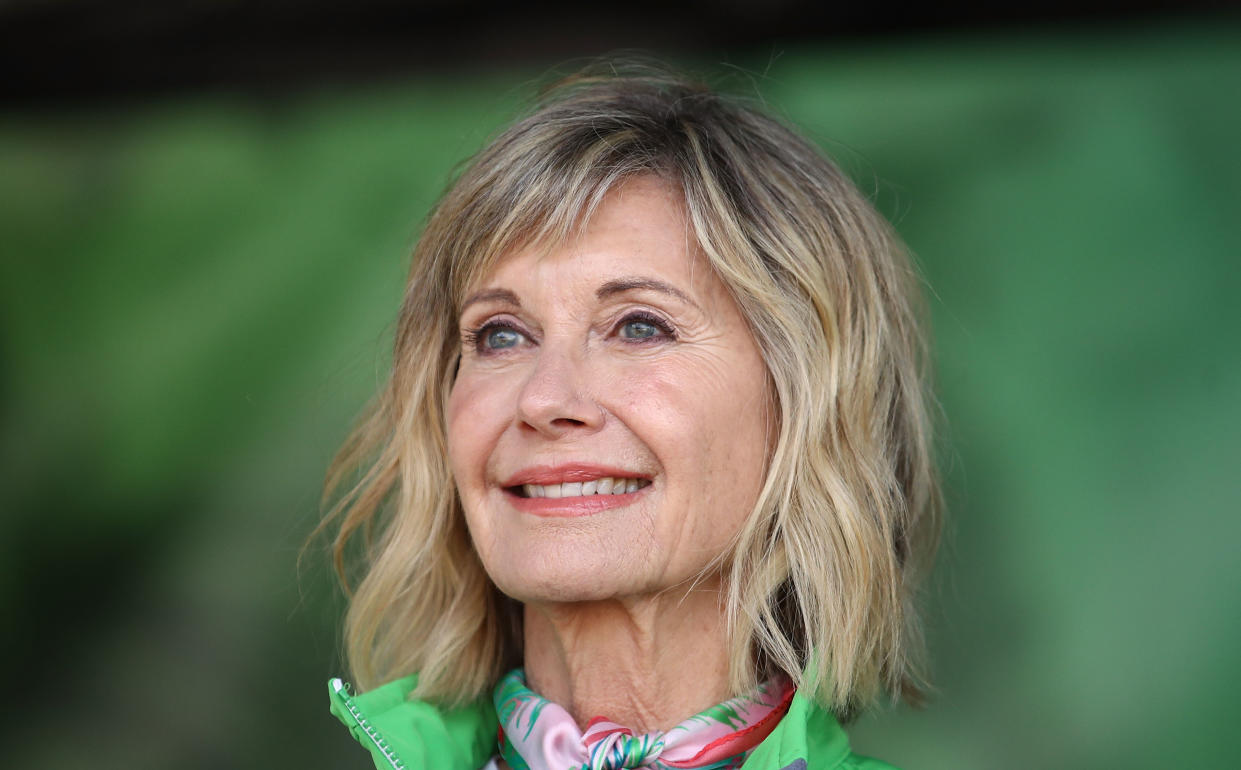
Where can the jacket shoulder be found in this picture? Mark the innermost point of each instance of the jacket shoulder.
(859, 762)
(403, 733)
(850, 762)
(809, 738)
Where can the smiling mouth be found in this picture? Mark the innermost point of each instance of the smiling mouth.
(604, 486)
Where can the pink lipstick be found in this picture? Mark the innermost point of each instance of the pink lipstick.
(573, 489)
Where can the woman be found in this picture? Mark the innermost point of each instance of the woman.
(650, 484)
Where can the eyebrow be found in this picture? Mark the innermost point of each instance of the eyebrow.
(621, 285)
(491, 295)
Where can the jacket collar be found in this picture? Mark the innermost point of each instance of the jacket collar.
(404, 734)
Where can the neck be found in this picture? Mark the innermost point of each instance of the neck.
(647, 663)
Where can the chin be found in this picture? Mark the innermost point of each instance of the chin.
(563, 576)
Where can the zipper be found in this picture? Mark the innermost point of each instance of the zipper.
(341, 689)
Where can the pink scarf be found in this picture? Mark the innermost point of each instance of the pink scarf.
(536, 734)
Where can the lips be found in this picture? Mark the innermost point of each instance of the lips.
(575, 489)
(546, 475)
(609, 485)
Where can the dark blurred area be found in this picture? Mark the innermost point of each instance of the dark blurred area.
(94, 50)
(205, 214)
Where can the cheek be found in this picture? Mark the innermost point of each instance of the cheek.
(656, 406)
(474, 418)
(706, 420)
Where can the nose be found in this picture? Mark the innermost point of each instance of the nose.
(556, 398)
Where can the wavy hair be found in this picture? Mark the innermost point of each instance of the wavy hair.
(820, 583)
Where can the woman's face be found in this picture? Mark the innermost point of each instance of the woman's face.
(608, 426)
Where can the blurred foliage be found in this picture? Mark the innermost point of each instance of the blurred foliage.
(197, 296)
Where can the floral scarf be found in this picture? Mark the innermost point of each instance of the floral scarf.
(536, 734)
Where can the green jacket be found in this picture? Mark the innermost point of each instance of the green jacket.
(404, 734)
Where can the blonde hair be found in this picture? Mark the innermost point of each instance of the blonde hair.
(820, 584)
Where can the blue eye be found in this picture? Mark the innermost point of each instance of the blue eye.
(492, 337)
(500, 337)
(637, 330)
(644, 327)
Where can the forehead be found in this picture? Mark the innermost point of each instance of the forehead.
(639, 228)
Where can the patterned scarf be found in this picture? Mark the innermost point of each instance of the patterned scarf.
(536, 734)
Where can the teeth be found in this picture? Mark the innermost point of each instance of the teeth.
(606, 486)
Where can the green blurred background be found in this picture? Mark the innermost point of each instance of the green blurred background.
(198, 288)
